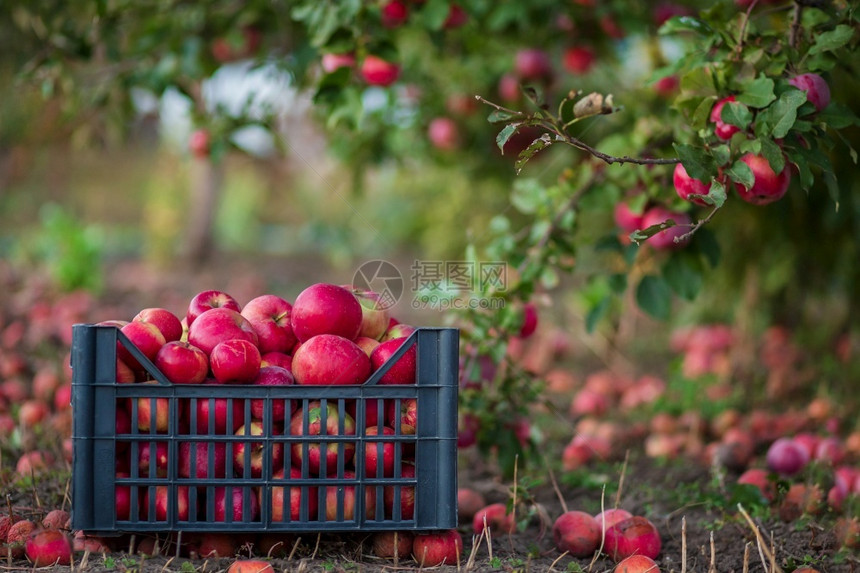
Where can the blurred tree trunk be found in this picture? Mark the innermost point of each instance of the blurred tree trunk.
(207, 177)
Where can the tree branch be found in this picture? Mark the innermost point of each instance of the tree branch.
(794, 30)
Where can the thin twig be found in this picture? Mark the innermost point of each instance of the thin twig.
(557, 559)
(746, 558)
(712, 567)
(557, 489)
(621, 479)
(794, 30)
(602, 528)
(763, 549)
(562, 136)
(684, 544)
(698, 225)
(743, 33)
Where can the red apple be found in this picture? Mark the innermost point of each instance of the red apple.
(56, 519)
(16, 538)
(325, 308)
(816, 88)
(122, 494)
(146, 337)
(367, 344)
(281, 359)
(457, 17)
(199, 143)
(291, 506)
(686, 186)
(495, 517)
(197, 455)
(250, 566)
(722, 129)
(343, 497)
(182, 363)
(394, 13)
(209, 299)
(236, 505)
(256, 451)
(166, 322)
(153, 414)
(95, 544)
(786, 457)
(626, 219)
(400, 372)
(379, 72)
(633, 536)
(392, 544)
(316, 427)
(509, 88)
(438, 548)
(760, 478)
(269, 315)
(406, 418)
(31, 413)
(533, 64)
(215, 411)
(145, 457)
(443, 133)
(215, 545)
(235, 361)
(397, 330)
(609, 517)
(576, 532)
(49, 547)
(217, 325)
(379, 456)
(158, 499)
(666, 239)
(667, 86)
(579, 59)
(374, 410)
(638, 564)
(469, 502)
(390, 494)
(333, 62)
(530, 320)
(328, 359)
(768, 186)
(273, 376)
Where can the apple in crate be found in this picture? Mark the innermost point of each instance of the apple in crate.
(145, 459)
(146, 337)
(379, 455)
(255, 452)
(374, 313)
(209, 299)
(273, 376)
(328, 359)
(325, 309)
(288, 501)
(406, 492)
(217, 325)
(214, 411)
(194, 459)
(166, 322)
(403, 370)
(182, 363)
(157, 499)
(344, 496)
(153, 414)
(269, 314)
(315, 427)
(236, 505)
(235, 361)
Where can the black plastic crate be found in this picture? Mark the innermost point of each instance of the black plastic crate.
(176, 495)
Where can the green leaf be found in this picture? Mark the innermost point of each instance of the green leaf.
(698, 81)
(832, 187)
(504, 135)
(838, 116)
(654, 296)
(757, 93)
(722, 154)
(527, 195)
(778, 118)
(682, 275)
(832, 40)
(648, 232)
(806, 176)
(698, 163)
(685, 24)
(549, 278)
(595, 313)
(708, 246)
(716, 194)
(502, 116)
(774, 155)
(435, 12)
(534, 147)
(736, 114)
(741, 173)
